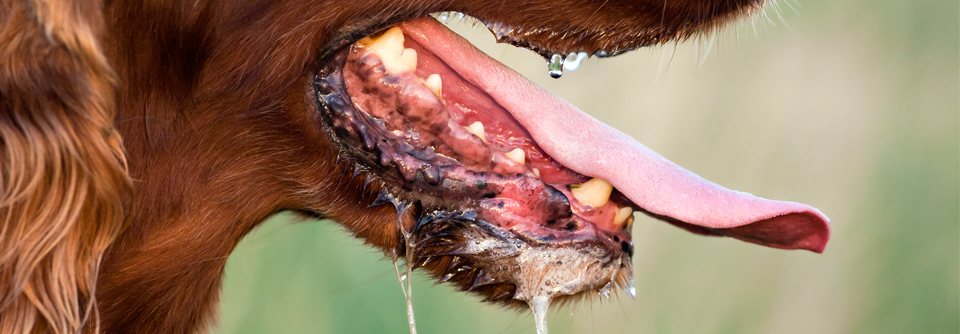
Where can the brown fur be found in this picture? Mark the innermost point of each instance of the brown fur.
(213, 102)
(62, 181)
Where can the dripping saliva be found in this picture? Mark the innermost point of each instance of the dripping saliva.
(555, 66)
(405, 278)
(558, 63)
(573, 60)
(539, 306)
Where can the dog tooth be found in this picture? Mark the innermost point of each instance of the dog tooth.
(595, 192)
(435, 85)
(517, 155)
(535, 172)
(477, 130)
(622, 214)
(388, 44)
(409, 59)
(389, 47)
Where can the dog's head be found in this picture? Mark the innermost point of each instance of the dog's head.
(371, 113)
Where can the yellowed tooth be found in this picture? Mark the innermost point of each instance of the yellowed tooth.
(595, 192)
(517, 155)
(477, 130)
(409, 58)
(435, 85)
(535, 172)
(628, 225)
(622, 214)
(389, 47)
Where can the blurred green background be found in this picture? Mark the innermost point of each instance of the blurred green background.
(850, 106)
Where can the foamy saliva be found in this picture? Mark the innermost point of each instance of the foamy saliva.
(543, 273)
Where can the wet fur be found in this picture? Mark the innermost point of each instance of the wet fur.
(213, 105)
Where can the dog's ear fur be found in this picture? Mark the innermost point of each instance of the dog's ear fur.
(62, 171)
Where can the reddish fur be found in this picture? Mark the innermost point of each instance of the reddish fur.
(220, 131)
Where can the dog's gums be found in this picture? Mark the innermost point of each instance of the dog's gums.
(140, 141)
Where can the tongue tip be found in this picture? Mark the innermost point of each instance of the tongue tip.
(802, 228)
(808, 229)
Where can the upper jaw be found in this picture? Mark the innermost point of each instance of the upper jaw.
(597, 27)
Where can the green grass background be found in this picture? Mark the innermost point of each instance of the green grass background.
(850, 106)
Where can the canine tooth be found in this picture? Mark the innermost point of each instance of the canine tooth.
(389, 47)
(535, 172)
(409, 58)
(628, 225)
(595, 192)
(477, 130)
(517, 155)
(622, 214)
(434, 83)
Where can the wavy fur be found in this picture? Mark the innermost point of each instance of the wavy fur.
(62, 175)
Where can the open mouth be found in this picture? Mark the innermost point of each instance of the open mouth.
(509, 191)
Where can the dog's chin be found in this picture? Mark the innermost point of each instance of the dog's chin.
(481, 205)
(511, 267)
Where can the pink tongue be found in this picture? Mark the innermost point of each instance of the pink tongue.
(586, 145)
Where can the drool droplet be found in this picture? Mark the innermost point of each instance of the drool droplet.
(605, 290)
(630, 290)
(555, 66)
(572, 63)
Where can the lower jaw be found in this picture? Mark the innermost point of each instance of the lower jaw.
(513, 270)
